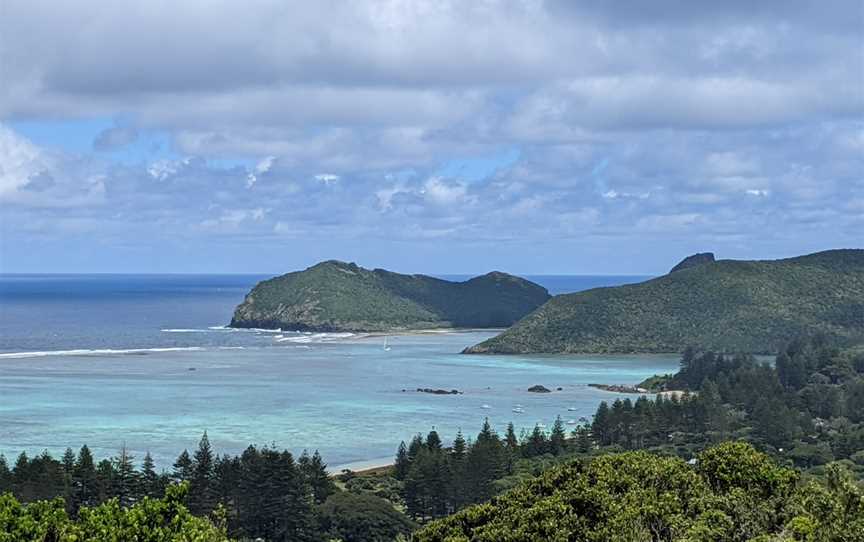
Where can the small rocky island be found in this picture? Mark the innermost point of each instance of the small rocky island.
(539, 389)
(338, 296)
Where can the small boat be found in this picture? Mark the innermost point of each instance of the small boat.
(572, 422)
(386, 345)
(485, 407)
(571, 409)
(518, 409)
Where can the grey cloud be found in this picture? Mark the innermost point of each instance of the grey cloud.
(726, 122)
(113, 138)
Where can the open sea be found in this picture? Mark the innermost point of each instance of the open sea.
(145, 361)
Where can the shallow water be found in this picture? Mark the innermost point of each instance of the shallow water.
(338, 394)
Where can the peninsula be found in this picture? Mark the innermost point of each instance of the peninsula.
(723, 305)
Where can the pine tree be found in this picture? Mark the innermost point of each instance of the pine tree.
(315, 473)
(439, 481)
(433, 441)
(287, 508)
(84, 481)
(557, 439)
(510, 439)
(22, 479)
(125, 481)
(226, 481)
(105, 474)
(5, 475)
(458, 476)
(414, 448)
(537, 443)
(511, 444)
(486, 463)
(402, 464)
(68, 462)
(459, 447)
(150, 484)
(182, 467)
(415, 488)
(583, 439)
(602, 425)
(201, 499)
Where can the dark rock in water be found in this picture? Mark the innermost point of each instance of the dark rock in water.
(438, 391)
(539, 389)
(694, 260)
(619, 388)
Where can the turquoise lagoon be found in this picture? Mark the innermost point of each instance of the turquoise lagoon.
(120, 369)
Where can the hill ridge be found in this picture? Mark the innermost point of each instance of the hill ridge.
(728, 305)
(342, 296)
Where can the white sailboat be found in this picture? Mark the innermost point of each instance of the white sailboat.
(386, 344)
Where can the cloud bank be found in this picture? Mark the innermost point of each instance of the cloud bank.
(301, 130)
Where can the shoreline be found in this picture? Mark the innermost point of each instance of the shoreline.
(361, 467)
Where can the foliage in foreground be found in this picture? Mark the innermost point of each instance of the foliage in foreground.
(361, 518)
(733, 493)
(150, 520)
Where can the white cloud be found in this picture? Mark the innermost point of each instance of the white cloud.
(20, 162)
(440, 192)
(261, 168)
(162, 169)
(696, 113)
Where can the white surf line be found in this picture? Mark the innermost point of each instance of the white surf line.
(110, 351)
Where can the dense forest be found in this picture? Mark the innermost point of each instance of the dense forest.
(726, 305)
(803, 411)
(262, 493)
(806, 408)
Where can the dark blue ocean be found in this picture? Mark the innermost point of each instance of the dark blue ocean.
(65, 312)
(145, 361)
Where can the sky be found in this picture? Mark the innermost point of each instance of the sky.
(440, 136)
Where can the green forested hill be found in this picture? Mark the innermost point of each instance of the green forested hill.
(338, 296)
(726, 305)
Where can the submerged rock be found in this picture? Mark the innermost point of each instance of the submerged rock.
(439, 391)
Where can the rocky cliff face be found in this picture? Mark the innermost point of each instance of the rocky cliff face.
(694, 260)
(339, 296)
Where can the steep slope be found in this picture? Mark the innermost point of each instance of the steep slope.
(338, 296)
(727, 305)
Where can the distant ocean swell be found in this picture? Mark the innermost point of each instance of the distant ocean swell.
(109, 351)
(216, 329)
